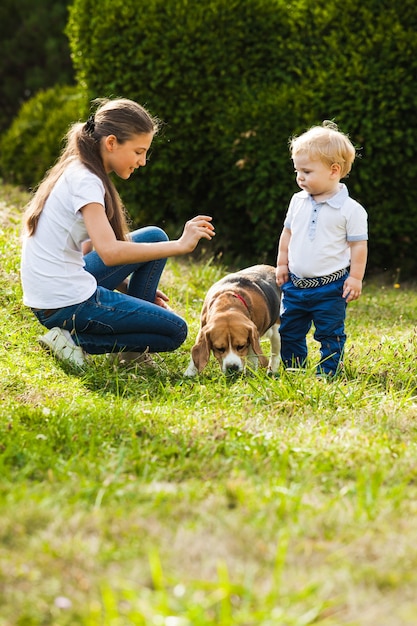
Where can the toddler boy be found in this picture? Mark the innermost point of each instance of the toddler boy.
(322, 250)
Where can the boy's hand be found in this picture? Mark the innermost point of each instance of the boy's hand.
(281, 274)
(352, 289)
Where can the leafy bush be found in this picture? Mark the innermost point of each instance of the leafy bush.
(34, 52)
(199, 66)
(34, 140)
(361, 68)
(232, 82)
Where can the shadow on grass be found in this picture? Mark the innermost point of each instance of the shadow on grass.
(129, 381)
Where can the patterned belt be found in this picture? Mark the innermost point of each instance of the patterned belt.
(318, 281)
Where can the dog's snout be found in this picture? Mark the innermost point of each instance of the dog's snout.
(234, 367)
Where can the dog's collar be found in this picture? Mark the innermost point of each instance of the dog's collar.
(239, 297)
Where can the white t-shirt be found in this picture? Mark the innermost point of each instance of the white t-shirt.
(321, 232)
(52, 268)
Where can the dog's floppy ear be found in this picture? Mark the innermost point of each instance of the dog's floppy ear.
(256, 346)
(201, 351)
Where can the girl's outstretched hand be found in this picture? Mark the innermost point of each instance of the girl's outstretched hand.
(199, 227)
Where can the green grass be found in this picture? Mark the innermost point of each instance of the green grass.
(131, 496)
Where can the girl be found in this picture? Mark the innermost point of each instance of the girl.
(88, 281)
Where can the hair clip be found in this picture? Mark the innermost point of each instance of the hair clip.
(90, 125)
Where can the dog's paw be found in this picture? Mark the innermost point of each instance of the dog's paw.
(191, 369)
(273, 364)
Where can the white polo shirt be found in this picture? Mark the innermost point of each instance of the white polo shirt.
(321, 232)
(52, 265)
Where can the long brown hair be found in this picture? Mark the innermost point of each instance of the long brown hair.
(120, 117)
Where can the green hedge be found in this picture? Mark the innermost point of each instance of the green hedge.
(362, 69)
(34, 52)
(33, 142)
(194, 65)
(233, 80)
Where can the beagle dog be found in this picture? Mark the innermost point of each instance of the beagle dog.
(237, 311)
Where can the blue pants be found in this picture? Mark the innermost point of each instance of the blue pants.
(323, 306)
(110, 321)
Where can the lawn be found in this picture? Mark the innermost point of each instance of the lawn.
(132, 496)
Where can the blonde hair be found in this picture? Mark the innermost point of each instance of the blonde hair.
(327, 144)
(120, 117)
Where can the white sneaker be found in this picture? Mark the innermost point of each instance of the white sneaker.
(61, 344)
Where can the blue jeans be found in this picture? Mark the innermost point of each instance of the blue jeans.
(110, 321)
(323, 306)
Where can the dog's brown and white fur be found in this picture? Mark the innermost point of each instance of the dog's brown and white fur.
(237, 311)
